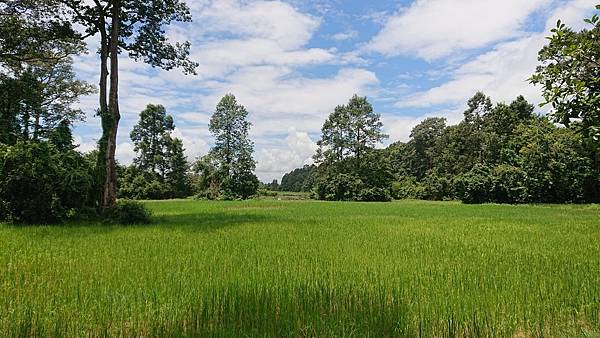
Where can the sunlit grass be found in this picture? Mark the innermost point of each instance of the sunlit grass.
(305, 268)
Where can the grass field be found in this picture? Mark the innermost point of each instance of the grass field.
(306, 268)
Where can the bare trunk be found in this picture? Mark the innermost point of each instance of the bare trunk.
(109, 193)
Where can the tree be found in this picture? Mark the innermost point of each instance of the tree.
(569, 73)
(151, 137)
(176, 162)
(62, 137)
(135, 27)
(232, 151)
(334, 144)
(37, 98)
(365, 127)
(299, 180)
(33, 31)
(478, 106)
(350, 130)
(161, 167)
(423, 139)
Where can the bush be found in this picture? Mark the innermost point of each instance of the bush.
(500, 184)
(339, 187)
(127, 212)
(40, 185)
(406, 187)
(475, 186)
(435, 187)
(509, 185)
(374, 194)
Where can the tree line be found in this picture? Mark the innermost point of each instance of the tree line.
(497, 153)
(502, 153)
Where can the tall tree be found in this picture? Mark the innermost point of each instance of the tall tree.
(569, 73)
(135, 27)
(151, 137)
(351, 129)
(177, 168)
(334, 144)
(233, 149)
(62, 136)
(365, 127)
(478, 106)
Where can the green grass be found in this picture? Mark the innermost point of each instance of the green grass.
(306, 268)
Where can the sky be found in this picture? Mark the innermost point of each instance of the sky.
(291, 62)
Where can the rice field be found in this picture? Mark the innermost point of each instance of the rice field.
(308, 269)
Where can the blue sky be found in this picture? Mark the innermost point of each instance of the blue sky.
(291, 62)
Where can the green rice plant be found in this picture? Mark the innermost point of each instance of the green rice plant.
(268, 268)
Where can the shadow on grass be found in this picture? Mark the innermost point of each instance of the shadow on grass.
(189, 222)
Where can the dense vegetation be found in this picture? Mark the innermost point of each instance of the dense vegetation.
(269, 268)
(500, 153)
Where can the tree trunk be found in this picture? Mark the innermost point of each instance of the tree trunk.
(112, 116)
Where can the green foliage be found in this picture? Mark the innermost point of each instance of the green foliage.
(338, 187)
(350, 131)
(39, 184)
(126, 212)
(299, 180)
(160, 169)
(350, 167)
(374, 194)
(36, 100)
(407, 187)
(569, 75)
(32, 32)
(151, 136)
(423, 138)
(230, 159)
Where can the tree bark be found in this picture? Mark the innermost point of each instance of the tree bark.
(109, 194)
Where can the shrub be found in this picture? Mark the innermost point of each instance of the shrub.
(39, 185)
(127, 212)
(475, 186)
(374, 194)
(500, 184)
(509, 185)
(339, 187)
(435, 187)
(406, 187)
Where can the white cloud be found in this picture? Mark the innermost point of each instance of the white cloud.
(343, 36)
(272, 20)
(501, 73)
(273, 163)
(432, 29)
(125, 153)
(194, 146)
(275, 93)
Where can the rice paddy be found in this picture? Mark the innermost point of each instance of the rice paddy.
(307, 268)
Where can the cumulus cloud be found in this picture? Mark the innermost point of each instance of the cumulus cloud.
(273, 163)
(502, 72)
(432, 29)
